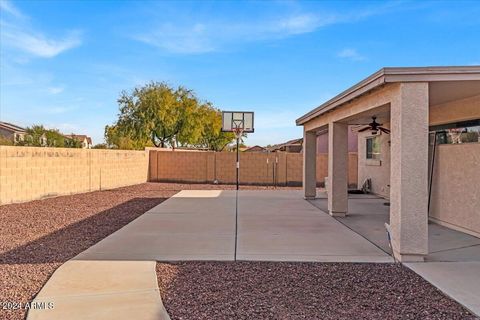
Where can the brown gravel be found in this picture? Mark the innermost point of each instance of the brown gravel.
(280, 290)
(37, 237)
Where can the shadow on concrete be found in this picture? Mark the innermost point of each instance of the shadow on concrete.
(368, 214)
(64, 244)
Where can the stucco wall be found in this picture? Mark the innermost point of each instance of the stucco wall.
(29, 173)
(455, 197)
(377, 171)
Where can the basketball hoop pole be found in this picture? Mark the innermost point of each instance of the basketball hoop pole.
(238, 159)
(238, 134)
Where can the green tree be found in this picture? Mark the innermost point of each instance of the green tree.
(118, 137)
(212, 137)
(39, 136)
(100, 146)
(157, 114)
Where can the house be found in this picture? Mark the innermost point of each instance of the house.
(85, 140)
(425, 159)
(255, 149)
(12, 132)
(294, 146)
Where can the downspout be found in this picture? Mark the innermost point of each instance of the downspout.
(431, 171)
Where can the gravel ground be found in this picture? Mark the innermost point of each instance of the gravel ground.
(280, 290)
(37, 237)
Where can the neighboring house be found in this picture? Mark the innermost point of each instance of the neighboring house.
(255, 149)
(423, 180)
(294, 146)
(12, 132)
(85, 140)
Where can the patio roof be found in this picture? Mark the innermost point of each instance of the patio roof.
(392, 75)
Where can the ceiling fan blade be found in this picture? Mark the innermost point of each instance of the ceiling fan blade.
(387, 131)
(365, 129)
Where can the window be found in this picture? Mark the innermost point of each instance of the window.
(373, 148)
(458, 132)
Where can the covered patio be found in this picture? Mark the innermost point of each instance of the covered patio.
(409, 102)
(368, 213)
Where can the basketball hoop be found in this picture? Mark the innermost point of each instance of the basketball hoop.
(237, 128)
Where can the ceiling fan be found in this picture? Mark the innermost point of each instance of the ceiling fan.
(374, 126)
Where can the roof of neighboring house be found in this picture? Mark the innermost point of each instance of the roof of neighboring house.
(255, 148)
(11, 127)
(80, 137)
(391, 75)
(293, 142)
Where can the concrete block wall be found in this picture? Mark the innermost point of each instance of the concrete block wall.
(30, 173)
(255, 168)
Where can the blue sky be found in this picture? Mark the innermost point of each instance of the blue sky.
(64, 63)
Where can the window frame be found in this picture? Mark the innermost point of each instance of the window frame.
(372, 155)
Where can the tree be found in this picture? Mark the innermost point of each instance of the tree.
(212, 137)
(100, 146)
(39, 136)
(117, 137)
(157, 114)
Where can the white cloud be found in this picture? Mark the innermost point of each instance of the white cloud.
(210, 36)
(19, 35)
(191, 35)
(350, 54)
(55, 90)
(191, 39)
(9, 8)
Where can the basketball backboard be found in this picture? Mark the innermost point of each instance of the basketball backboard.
(234, 121)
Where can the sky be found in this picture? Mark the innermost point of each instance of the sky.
(63, 64)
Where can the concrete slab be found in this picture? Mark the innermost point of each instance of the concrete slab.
(192, 225)
(367, 215)
(459, 280)
(280, 225)
(102, 290)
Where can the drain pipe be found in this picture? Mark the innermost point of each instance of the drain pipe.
(431, 170)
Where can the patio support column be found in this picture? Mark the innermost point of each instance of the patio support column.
(337, 169)
(409, 172)
(309, 164)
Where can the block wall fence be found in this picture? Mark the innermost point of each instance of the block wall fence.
(30, 173)
(257, 168)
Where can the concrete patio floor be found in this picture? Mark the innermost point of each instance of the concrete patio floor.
(367, 215)
(273, 225)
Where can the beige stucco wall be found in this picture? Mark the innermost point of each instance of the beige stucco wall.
(455, 197)
(377, 171)
(29, 173)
